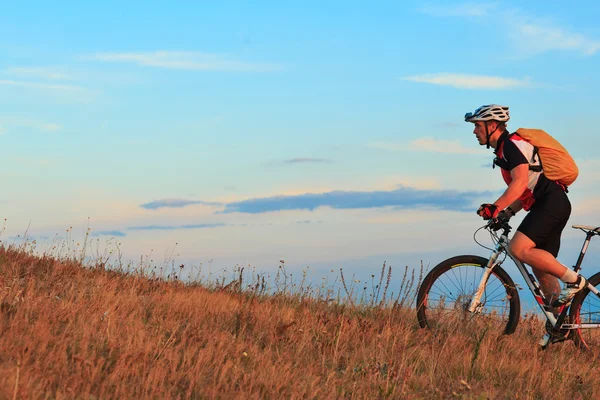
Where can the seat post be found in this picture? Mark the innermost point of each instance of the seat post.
(586, 243)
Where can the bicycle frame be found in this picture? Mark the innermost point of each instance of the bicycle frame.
(532, 283)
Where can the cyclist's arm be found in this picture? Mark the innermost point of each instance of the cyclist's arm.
(520, 179)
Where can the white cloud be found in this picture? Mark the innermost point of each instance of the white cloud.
(41, 85)
(183, 61)
(537, 37)
(49, 73)
(530, 35)
(466, 81)
(7, 123)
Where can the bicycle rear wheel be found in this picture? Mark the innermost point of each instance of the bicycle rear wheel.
(585, 309)
(446, 292)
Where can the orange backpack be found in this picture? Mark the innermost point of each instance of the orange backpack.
(556, 162)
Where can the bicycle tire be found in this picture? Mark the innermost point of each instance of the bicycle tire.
(586, 309)
(499, 285)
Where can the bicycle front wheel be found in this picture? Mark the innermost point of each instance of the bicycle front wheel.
(446, 292)
(585, 309)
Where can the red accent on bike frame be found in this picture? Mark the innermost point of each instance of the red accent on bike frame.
(539, 300)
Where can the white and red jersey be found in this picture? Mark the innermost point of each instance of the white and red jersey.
(511, 151)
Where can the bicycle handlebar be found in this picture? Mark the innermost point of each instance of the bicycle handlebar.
(499, 223)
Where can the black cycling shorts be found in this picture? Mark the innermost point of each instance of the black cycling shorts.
(546, 220)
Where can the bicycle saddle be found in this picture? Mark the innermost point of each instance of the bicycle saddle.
(587, 228)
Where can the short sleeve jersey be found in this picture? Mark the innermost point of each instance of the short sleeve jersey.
(512, 151)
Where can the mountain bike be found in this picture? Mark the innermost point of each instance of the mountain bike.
(470, 289)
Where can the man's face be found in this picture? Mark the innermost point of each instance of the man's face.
(479, 130)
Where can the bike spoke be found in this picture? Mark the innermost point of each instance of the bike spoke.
(459, 286)
(587, 311)
(450, 295)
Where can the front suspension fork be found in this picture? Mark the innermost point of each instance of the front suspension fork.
(476, 299)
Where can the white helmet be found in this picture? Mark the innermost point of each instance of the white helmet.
(489, 112)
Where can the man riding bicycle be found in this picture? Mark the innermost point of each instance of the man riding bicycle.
(537, 240)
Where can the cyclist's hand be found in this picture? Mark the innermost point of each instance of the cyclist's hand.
(487, 211)
(500, 221)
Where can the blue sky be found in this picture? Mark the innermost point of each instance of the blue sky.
(250, 132)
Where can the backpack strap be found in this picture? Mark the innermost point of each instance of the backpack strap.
(534, 157)
(536, 153)
(501, 162)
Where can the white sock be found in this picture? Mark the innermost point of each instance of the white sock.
(570, 276)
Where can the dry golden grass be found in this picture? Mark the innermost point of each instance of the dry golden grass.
(72, 332)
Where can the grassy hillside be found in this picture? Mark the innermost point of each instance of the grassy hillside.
(72, 332)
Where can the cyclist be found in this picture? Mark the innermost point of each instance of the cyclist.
(537, 240)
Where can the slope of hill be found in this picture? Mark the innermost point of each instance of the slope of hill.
(68, 331)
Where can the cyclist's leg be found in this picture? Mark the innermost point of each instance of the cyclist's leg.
(537, 241)
(545, 266)
(550, 286)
